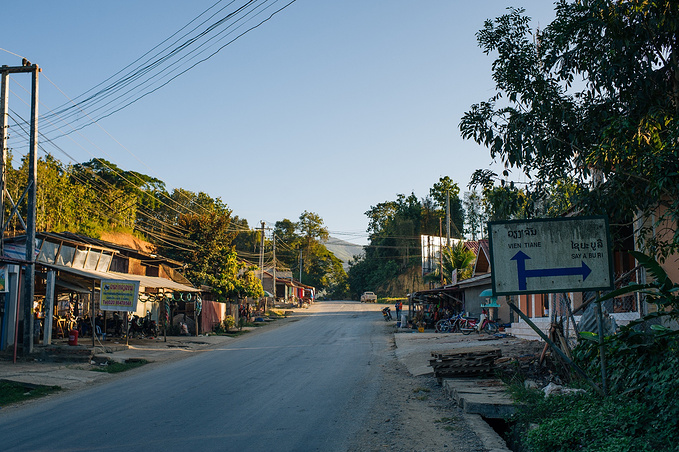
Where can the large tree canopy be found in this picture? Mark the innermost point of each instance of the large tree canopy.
(591, 99)
(320, 268)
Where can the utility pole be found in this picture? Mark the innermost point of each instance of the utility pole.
(440, 253)
(448, 218)
(300, 265)
(4, 115)
(274, 267)
(261, 256)
(29, 279)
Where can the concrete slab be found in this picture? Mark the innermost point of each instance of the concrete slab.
(487, 398)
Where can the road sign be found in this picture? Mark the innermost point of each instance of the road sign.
(550, 255)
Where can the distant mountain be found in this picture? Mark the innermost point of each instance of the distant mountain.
(343, 250)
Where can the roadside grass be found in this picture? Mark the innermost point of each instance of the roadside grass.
(115, 367)
(233, 333)
(12, 392)
(275, 314)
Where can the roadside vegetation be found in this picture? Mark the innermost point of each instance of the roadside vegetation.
(13, 392)
(114, 367)
(587, 109)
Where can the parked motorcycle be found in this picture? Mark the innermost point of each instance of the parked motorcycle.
(136, 326)
(149, 326)
(143, 326)
(386, 312)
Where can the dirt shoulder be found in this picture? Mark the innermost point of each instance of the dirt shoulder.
(413, 413)
(412, 410)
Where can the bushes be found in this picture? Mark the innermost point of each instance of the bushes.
(225, 325)
(586, 422)
(641, 411)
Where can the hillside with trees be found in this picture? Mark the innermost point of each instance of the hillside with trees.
(220, 249)
(391, 265)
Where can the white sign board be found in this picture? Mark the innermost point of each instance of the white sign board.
(550, 255)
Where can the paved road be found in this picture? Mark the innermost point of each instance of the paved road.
(304, 386)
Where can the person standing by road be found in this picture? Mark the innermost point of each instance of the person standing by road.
(399, 307)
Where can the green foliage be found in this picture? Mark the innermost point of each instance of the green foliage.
(228, 322)
(475, 216)
(395, 228)
(642, 362)
(11, 392)
(320, 268)
(113, 367)
(589, 423)
(458, 257)
(588, 107)
(443, 191)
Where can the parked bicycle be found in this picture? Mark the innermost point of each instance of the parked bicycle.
(449, 325)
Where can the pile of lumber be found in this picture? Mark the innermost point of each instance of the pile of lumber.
(464, 362)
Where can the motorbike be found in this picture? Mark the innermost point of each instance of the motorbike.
(149, 327)
(386, 312)
(136, 326)
(143, 326)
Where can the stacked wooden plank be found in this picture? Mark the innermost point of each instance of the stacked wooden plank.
(464, 362)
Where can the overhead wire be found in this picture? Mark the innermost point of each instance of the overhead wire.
(181, 192)
(177, 239)
(96, 176)
(63, 114)
(71, 101)
(124, 103)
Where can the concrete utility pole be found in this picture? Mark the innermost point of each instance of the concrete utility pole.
(440, 253)
(261, 256)
(448, 218)
(29, 279)
(274, 267)
(4, 115)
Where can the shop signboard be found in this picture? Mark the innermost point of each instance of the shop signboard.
(550, 255)
(119, 295)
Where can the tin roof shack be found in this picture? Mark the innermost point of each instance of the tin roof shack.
(70, 269)
(430, 306)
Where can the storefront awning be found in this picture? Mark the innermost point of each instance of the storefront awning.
(152, 282)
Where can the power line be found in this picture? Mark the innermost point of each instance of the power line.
(144, 70)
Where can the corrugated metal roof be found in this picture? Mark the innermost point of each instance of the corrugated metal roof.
(144, 281)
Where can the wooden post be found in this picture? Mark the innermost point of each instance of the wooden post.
(602, 354)
(556, 348)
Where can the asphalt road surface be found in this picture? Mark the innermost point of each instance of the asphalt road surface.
(304, 386)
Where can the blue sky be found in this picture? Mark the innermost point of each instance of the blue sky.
(330, 107)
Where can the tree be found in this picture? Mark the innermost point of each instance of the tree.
(475, 216)
(459, 257)
(591, 100)
(209, 251)
(320, 268)
(443, 191)
(501, 201)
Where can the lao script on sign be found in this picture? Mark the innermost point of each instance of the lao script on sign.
(548, 256)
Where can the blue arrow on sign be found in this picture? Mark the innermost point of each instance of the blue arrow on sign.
(524, 274)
